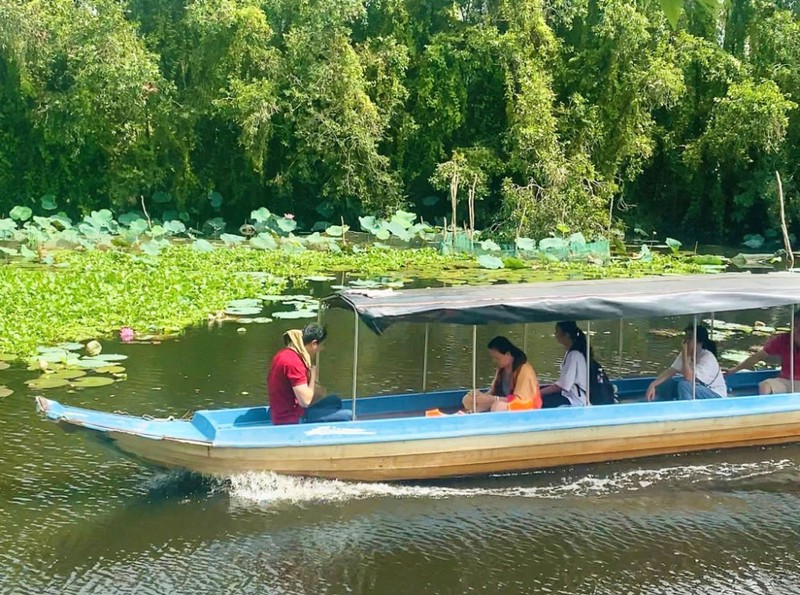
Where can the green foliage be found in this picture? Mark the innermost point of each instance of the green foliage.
(549, 112)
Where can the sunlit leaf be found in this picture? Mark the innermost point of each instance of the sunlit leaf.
(264, 241)
(261, 214)
(48, 202)
(487, 261)
(232, 239)
(21, 213)
(202, 246)
(92, 382)
(672, 10)
(5, 392)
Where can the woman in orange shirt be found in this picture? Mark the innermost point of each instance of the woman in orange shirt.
(515, 385)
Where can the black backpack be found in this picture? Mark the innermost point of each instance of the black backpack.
(601, 391)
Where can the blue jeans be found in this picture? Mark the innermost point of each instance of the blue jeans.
(326, 410)
(681, 390)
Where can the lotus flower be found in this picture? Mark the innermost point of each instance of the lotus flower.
(288, 215)
(126, 334)
(93, 348)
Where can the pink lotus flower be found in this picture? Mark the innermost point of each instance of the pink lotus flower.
(288, 216)
(126, 334)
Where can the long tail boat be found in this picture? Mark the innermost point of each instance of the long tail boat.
(390, 438)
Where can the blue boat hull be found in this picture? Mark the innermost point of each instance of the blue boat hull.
(392, 440)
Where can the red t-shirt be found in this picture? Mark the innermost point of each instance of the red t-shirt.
(287, 370)
(780, 345)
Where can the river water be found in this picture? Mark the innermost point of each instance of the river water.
(77, 518)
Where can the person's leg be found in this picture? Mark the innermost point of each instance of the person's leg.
(341, 415)
(774, 386)
(481, 402)
(323, 409)
(554, 400)
(668, 391)
(700, 391)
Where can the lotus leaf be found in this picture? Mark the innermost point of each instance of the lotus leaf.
(5, 392)
(490, 246)
(9, 251)
(261, 215)
(54, 357)
(93, 348)
(295, 314)
(242, 311)
(490, 262)
(69, 374)
(90, 363)
(93, 382)
(264, 241)
(130, 217)
(286, 225)
(215, 198)
(152, 248)
(404, 218)
(232, 239)
(526, 244)
(383, 234)
(69, 346)
(7, 225)
(111, 357)
(44, 382)
(398, 229)
(48, 202)
(337, 231)
(674, 244)
(202, 246)
(7, 357)
(27, 253)
(369, 224)
(20, 213)
(4, 365)
(110, 370)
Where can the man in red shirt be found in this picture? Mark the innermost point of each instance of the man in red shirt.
(779, 346)
(294, 396)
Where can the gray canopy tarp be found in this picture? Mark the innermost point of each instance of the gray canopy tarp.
(573, 300)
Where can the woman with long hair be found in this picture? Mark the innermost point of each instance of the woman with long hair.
(515, 385)
(697, 363)
(570, 388)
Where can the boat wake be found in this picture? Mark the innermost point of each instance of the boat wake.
(270, 488)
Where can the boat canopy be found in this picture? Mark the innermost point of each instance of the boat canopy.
(572, 300)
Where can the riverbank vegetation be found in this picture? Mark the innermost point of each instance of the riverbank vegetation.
(526, 115)
(83, 295)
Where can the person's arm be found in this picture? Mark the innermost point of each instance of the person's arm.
(660, 379)
(304, 391)
(686, 363)
(758, 356)
(550, 389)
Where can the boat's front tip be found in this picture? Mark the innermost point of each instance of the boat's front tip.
(48, 408)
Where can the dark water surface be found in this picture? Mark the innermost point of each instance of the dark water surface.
(77, 518)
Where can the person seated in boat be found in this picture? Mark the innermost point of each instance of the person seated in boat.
(777, 346)
(570, 388)
(697, 361)
(515, 385)
(294, 395)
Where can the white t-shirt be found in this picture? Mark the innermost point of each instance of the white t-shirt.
(573, 375)
(707, 371)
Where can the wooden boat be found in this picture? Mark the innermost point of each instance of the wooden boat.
(391, 439)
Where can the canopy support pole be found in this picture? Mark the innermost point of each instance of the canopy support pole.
(525, 338)
(319, 322)
(355, 364)
(474, 368)
(425, 359)
(621, 328)
(792, 350)
(588, 362)
(711, 330)
(694, 359)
